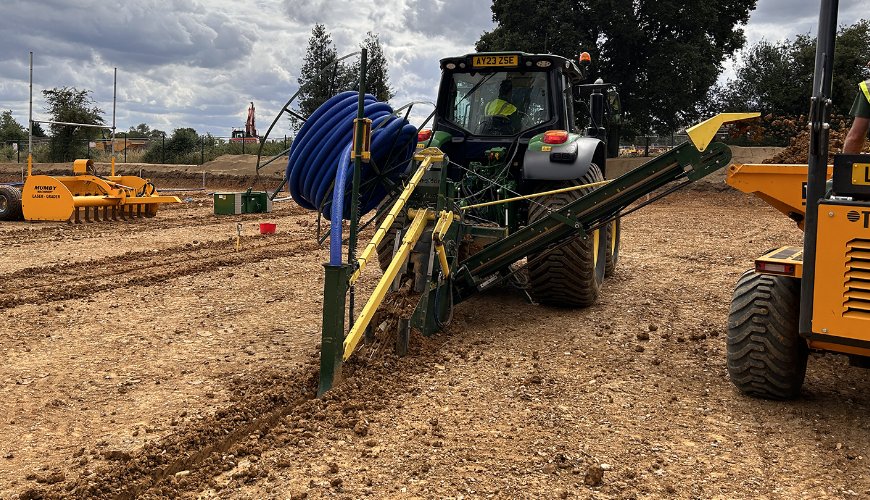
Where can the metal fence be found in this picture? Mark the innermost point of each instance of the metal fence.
(140, 149)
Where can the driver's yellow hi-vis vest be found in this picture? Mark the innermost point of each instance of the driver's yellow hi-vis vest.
(500, 107)
(863, 87)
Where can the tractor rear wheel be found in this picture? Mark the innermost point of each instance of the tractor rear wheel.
(767, 357)
(611, 258)
(10, 203)
(569, 275)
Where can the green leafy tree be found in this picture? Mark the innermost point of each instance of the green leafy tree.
(142, 131)
(663, 55)
(319, 78)
(182, 147)
(71, 105)
(776, 78)
(377, 72)
(10, 129)
(38, 131)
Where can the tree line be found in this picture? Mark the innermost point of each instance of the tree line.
(664, 57)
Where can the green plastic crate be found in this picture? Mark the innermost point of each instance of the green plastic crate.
(246, 202)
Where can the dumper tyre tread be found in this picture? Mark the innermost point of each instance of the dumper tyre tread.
(569, 275)
(612, 239)
(767, 357)
(10, 203)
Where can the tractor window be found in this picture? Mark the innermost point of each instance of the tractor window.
(499, 104)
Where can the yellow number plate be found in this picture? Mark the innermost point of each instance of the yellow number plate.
(495, 61)
(861, 174)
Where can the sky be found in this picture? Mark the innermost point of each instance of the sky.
(198, 63)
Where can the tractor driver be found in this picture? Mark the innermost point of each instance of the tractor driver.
(501, 105)
(501, 114)
(854, 142)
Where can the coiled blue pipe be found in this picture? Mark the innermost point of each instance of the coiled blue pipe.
(321, 155)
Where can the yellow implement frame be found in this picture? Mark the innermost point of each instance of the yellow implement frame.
(426, 158)
(62, 198)
(411, 236)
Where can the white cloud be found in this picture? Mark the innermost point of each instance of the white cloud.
(198, 63)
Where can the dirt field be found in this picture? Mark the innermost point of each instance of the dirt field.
(151, 359)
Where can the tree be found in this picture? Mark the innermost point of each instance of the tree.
(142, 131)
(776, 78)
(71, 105)
(319, 79)
(662, 55)
(377, 73)
(38, 131)
(179, 148)
(11, 130)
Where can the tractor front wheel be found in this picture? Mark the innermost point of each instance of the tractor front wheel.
(767, 357)
(568, 275)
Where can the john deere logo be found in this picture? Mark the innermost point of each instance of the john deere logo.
(853, 216)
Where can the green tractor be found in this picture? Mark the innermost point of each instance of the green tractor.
(514, 124)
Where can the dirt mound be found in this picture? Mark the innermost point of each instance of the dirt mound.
(797, 151)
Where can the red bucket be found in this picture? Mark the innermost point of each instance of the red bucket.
(267, 228)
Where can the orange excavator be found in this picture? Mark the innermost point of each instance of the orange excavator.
(249, 134)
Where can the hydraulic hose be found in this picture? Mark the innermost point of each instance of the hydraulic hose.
(320, 159)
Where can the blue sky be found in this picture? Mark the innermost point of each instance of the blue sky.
(197, 63)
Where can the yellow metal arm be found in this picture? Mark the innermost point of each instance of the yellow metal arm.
(441, 228)
(703, 133)
(411, 236)
(426, 158)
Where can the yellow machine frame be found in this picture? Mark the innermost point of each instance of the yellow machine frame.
(89, 197)
(841, 310)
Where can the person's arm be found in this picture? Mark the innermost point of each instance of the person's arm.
(854, 142)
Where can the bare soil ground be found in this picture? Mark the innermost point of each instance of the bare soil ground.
(151, 359)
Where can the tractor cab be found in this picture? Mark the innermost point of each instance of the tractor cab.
(491, 100)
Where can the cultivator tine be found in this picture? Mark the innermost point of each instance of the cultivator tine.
(87, 214)
(76, 218)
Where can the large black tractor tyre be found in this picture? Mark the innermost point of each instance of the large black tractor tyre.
(767, 357)
(611, 257)
(10, 203)
(569, 275)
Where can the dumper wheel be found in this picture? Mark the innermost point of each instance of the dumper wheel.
(611, 258)
(10, 203)
(569, 275)
(387, 245)
(767, 357)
